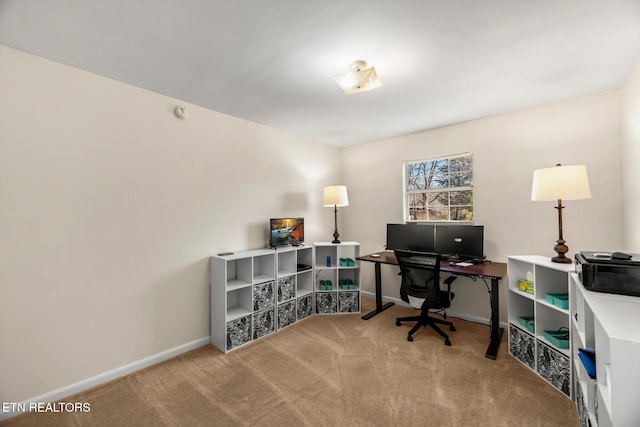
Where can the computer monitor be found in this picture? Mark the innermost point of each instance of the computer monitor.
(412, 237)
(464, 242)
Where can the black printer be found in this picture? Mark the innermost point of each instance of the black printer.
(611, 272)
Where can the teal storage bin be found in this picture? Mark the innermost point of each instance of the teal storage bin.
(558, 338)
(528, 323)
(559, 300)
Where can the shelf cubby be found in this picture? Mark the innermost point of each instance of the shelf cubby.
(239, 273)
(305, 256)
(239, 303)
(287, 263)
(304, 283)
(263, 268)
(326, 256)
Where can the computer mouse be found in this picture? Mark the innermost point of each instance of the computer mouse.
(620, 255)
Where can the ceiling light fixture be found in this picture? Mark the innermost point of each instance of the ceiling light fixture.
(360, 78)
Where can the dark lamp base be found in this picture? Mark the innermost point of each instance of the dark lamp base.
(561, 249)
(561, 259)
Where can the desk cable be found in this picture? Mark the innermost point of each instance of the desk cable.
(474, 278)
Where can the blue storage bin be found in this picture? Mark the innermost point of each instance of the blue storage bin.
(588, 358)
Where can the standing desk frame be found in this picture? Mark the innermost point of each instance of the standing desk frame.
(494, 271)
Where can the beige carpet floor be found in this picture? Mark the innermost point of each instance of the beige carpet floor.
(330, 371)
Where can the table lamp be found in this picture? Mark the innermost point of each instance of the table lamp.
(560, 183)
(335, 195)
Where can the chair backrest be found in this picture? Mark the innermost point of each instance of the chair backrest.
(420, 276)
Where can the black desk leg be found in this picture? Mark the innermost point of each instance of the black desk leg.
(379, 307)
(496, 330)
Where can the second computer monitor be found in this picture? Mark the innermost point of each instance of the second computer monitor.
(465, 242)
(412, 237)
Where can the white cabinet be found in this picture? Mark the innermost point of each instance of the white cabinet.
(539, 317)
(608, 324)
(337, 282)
(256, 292)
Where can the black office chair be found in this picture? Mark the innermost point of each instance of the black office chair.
(420, 287)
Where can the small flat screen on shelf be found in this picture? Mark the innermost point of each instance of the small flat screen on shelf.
(286, 231)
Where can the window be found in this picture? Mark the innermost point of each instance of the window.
(439, 189)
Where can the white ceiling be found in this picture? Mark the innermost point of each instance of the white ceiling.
(273, 61)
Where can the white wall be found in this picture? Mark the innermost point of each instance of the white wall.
(109, 209)
(506, 149)
(630, 157)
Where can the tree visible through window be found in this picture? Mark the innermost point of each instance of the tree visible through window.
(439, 189)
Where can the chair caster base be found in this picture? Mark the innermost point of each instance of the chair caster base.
(398, 323)
(410, 338)
(452, 328)
(447, 343)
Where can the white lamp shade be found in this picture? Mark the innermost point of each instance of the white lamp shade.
(561, 183)
(335, 195)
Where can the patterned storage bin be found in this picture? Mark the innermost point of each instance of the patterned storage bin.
(553, 366)
(263, 296)
(304, 307)
(286, 288)
(348, 302)
(326, 302)
(238, 332)
(581, 404)
(286, 314)
(264, 323)
(522, 346)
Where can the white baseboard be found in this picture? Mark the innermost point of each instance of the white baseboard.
(88, 383)
(475, 319)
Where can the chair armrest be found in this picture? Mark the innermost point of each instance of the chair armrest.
(448, 281)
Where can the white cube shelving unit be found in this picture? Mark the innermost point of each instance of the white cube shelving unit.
(605, 323)
(331, 265)
(532, 348)
(608, 324)
(256, 292)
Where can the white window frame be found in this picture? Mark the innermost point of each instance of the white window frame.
(448, 189)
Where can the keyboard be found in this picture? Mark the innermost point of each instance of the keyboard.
(419, 260)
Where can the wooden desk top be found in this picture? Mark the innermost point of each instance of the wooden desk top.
(493, 270)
